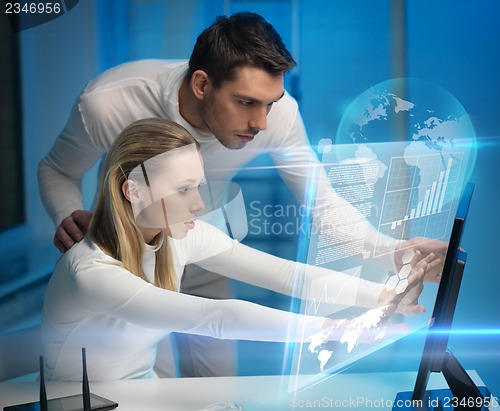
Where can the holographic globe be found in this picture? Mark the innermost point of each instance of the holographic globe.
(422, 113)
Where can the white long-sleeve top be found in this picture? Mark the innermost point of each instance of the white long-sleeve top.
(150, 88)
(92, 301)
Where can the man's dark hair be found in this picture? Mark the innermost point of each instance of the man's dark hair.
(243, 39)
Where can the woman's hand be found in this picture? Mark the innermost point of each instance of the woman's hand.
(403, 298)
(372, 325)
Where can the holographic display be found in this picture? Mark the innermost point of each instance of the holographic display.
(399, 174)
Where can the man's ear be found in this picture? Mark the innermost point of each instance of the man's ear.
(199, 83)
(131, 191)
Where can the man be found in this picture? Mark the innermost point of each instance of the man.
(231, 98)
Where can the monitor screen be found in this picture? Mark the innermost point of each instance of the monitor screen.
(386, 193)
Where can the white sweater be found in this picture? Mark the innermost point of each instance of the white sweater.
(93, 302)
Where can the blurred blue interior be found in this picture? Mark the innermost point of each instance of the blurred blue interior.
(341, 49)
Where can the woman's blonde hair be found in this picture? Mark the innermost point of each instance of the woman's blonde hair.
(113, 227)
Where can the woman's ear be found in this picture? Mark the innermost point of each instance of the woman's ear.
(199, 83)
(131, 191)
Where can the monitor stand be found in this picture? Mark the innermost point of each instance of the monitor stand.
(462, 394)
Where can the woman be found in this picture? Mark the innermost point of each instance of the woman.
(116, 292)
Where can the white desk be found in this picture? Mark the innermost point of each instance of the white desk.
(267, 393)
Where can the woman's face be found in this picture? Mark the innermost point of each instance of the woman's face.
(167, 197)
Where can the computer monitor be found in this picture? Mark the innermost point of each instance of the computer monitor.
(436, 356)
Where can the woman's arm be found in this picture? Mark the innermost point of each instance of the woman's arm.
(319, 284)
(291, 278)
(213, 250)
(111, 290)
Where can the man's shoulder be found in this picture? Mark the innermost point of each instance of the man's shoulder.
(136, 72)
(127, 93)
(288, 102)
(285, 109)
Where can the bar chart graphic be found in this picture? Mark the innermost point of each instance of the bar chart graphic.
(418, 195)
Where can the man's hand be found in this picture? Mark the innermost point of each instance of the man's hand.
(72, 230)
(404, 299)
(425, 246)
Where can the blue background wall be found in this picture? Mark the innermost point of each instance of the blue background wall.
(342, 48)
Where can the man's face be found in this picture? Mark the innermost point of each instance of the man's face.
(237, 110)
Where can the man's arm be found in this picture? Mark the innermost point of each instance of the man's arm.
(60, 174)
(299, 167)
(304, 174)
